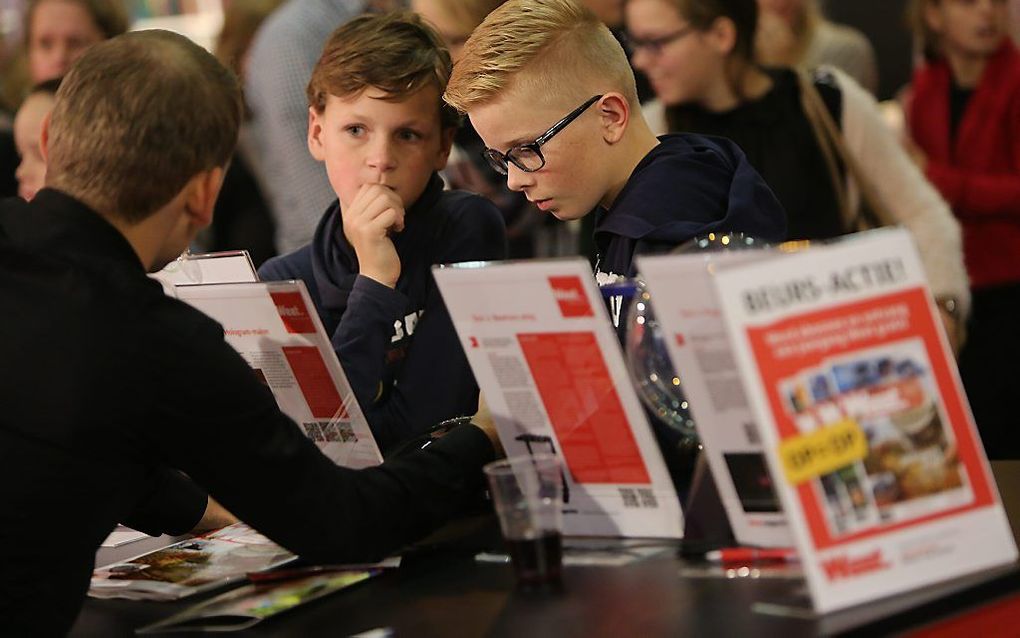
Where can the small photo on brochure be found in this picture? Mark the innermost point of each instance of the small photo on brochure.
(912, 468)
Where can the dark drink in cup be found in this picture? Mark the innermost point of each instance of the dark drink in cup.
(537, 561)
(528, 494)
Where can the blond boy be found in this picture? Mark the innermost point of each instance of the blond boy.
(550, 92)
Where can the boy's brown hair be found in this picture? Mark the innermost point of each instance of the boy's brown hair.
(547, 45)
(136, 118)
(397, 53)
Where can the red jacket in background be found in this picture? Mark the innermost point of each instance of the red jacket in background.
(979, 172)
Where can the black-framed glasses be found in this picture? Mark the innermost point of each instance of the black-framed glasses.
(528, 156)
(654, 46)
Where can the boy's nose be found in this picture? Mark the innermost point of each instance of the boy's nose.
(382, 158)
(516, 179)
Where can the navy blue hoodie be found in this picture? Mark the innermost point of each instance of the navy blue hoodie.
(398, 346)
(687, 186)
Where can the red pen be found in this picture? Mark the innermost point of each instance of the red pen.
(751, 555)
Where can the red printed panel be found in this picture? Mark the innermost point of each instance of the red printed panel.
(584, 408)
(569, 294)
(316, 384)
(293, 312)
(787, 348)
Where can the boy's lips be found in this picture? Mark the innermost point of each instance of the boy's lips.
(543, 204)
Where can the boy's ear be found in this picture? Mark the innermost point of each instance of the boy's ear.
(722, 35)
(200, 201)
(614, 114)
(44, 138)
(315, 130)
(445, 146)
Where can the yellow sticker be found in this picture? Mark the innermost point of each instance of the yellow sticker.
(823, 451)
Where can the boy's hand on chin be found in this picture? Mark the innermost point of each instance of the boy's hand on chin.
(375, 212)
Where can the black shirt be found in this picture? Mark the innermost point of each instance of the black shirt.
(958, 99)
(778, 140)
(108, 387)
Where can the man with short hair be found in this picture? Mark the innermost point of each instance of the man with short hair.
(111, 389)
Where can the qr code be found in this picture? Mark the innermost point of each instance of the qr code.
(330, 432)
(648, 498)
(630, 498)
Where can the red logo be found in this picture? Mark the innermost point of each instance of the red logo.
(293, 312)
(569, 294)
(843, 567)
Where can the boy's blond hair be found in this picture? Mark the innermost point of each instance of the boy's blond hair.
(545, 45)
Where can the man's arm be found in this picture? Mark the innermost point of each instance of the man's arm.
(223, 428)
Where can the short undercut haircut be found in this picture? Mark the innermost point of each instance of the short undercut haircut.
(136, 118)
(396, 53)
(544, 45)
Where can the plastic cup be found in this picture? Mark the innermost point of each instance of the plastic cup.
(528, 495)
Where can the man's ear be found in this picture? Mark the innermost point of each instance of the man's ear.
(202, 191)
(445, 146)
(315, 130)
(614, 116)
(44, 138)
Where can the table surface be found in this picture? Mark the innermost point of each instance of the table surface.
(446, 592)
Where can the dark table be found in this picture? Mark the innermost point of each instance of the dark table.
(447, 593)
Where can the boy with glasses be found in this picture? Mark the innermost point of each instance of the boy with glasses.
(530, 62)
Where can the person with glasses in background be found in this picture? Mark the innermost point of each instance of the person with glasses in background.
(700, 57)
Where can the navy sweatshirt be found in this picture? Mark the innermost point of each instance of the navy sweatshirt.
(398, 346)
(687, 186)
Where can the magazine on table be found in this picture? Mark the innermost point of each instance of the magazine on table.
(247, 606)
(190, 567)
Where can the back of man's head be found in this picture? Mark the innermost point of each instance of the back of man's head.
(136, 118)
(540, 46)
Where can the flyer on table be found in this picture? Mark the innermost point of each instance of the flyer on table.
(539, 340)
(684, 300)
(275, 328)
(868, 434)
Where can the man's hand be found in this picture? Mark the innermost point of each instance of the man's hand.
(375, 212)
(215, 517)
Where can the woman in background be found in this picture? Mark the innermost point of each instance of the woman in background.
(796, 33)
(56, 33)
(964, 118)
(699, 56)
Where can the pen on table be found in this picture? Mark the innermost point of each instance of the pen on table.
(751, 555)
